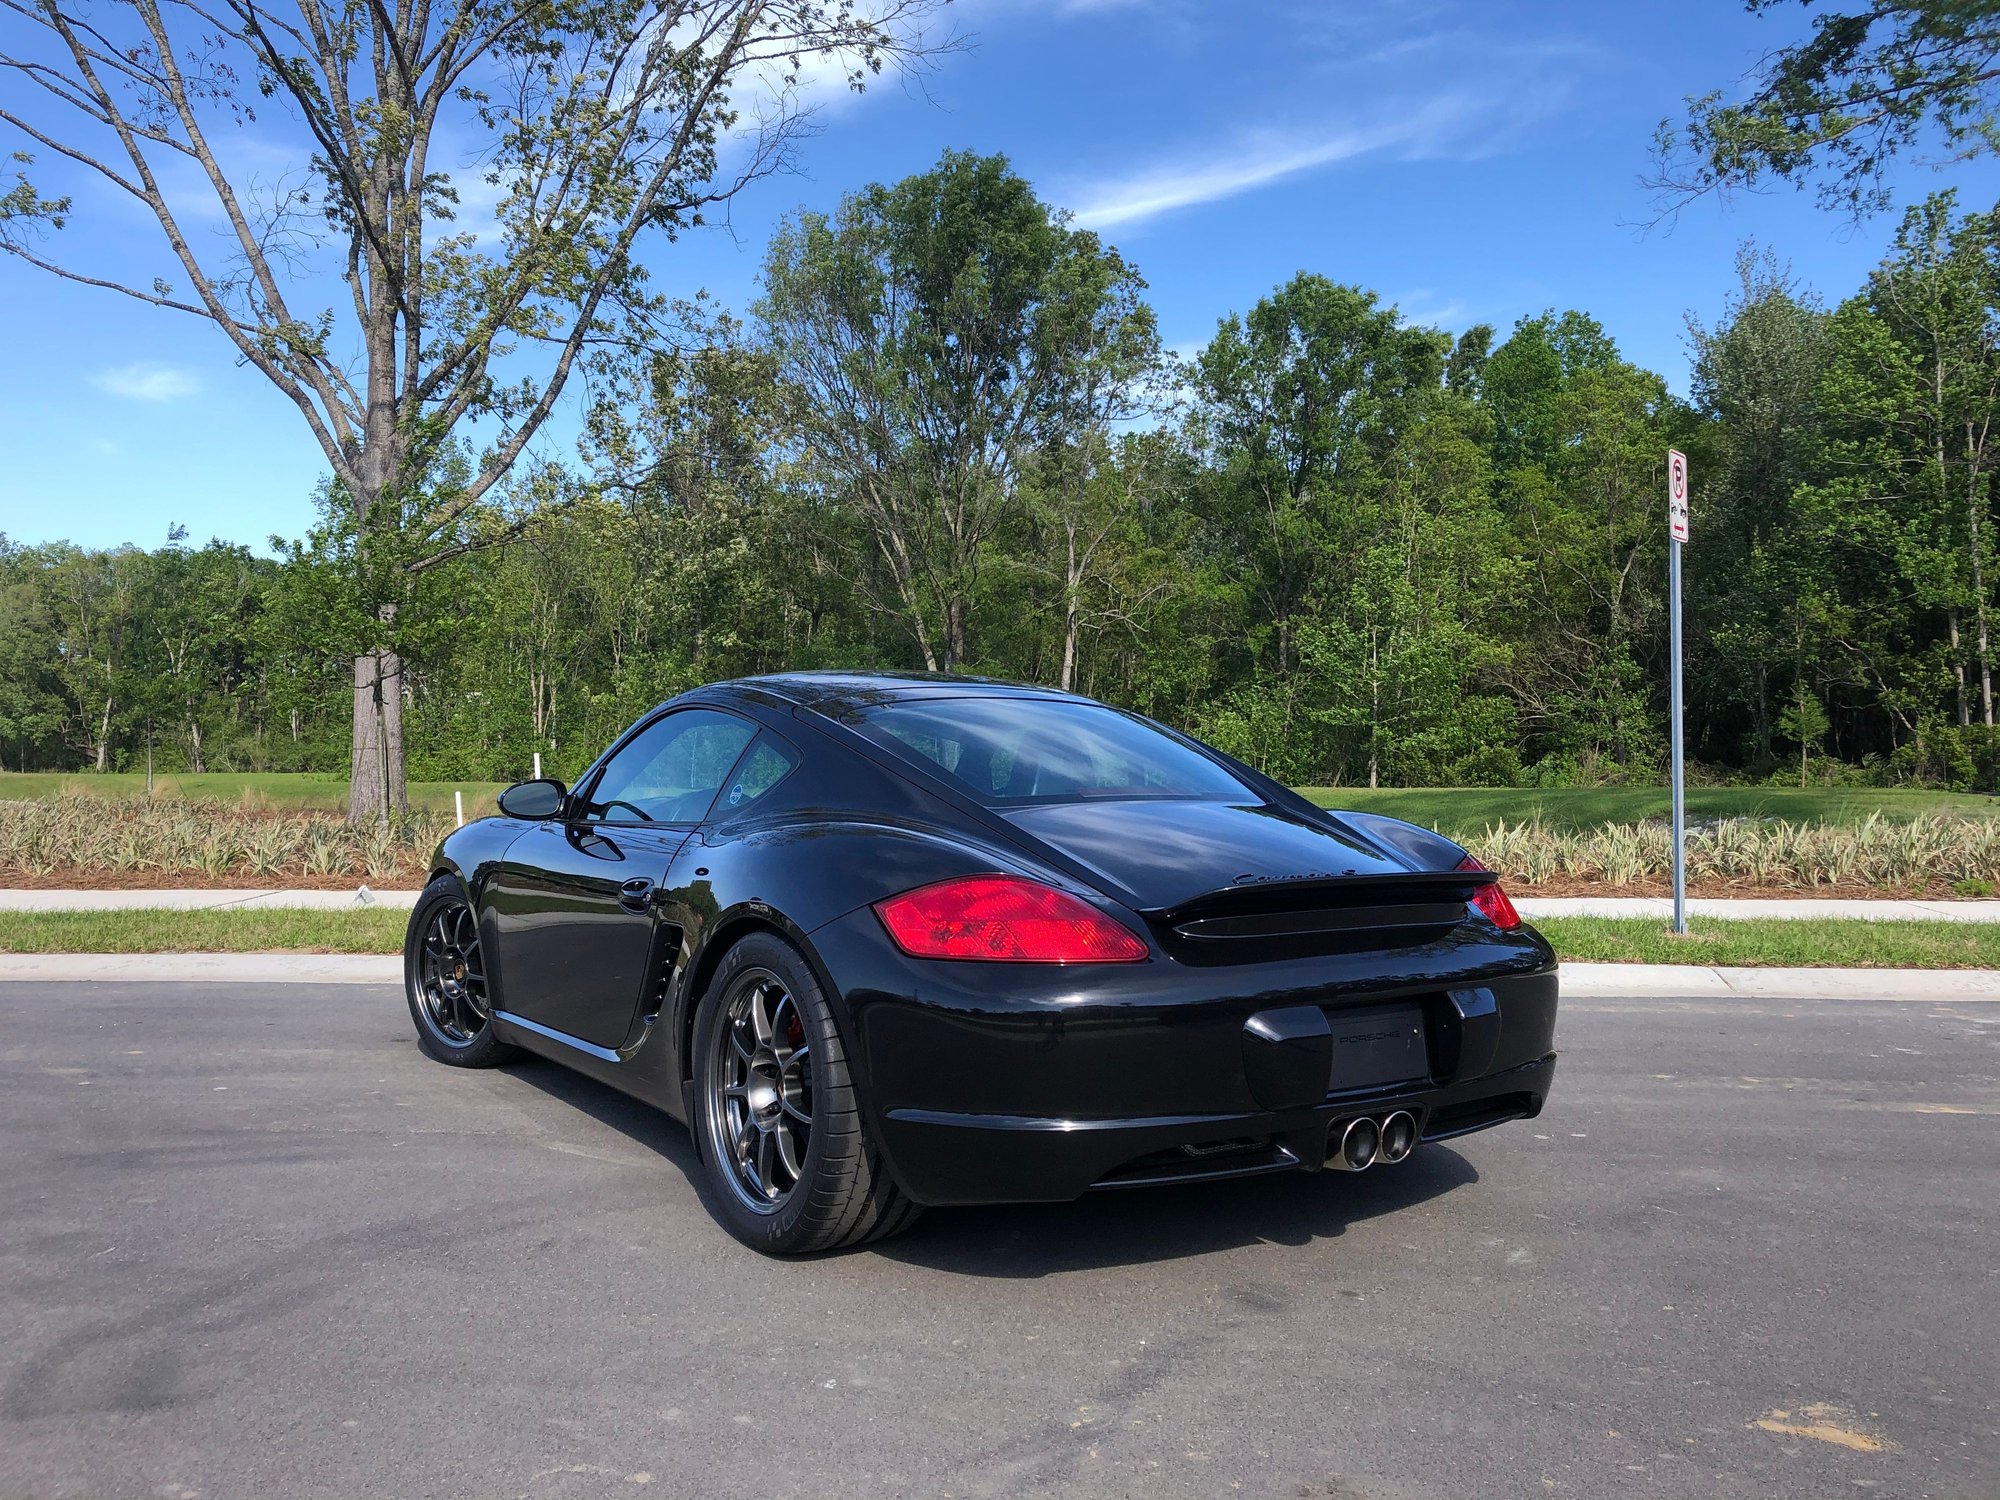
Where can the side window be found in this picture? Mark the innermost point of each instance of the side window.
(770, 760)
(670, 772)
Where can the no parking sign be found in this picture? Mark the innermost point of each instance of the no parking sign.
(1677, 495)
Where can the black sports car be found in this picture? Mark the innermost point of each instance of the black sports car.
(887, 941)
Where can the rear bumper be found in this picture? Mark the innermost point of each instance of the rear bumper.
(990, 1083)
(957, 1158)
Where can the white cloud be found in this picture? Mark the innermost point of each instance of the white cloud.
(1467, 124)
(1212, 177)
(145, 380)
(1425, 308)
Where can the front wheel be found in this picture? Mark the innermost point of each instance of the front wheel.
(787, 1164)
(444, 977)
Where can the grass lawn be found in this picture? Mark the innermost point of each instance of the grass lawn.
(248, 931)
(1781, 942)
(292, 790)
(1471, 810)
(1829, 943)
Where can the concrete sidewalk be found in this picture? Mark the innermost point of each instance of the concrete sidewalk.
(1532, 907)
(1579, 981)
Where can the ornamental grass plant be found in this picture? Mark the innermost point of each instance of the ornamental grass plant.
(160, 842)
(172, 840)
(1937, 854)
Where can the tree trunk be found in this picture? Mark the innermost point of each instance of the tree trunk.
(104, 735)
(954, 632)
(1985, 668)
(924, 642)
(1374, 710)
(1763, 718)
(1958, 667)
(1071, 617)
(1985, 639)
(376, 790)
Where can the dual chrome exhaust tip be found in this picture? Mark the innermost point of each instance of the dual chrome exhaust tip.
(1360, 1143)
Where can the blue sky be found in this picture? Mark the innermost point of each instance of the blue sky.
(1470, 160)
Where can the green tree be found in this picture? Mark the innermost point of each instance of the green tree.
(91, 599)
(1579, 446)
(933, 338)
(1756, 568)
(596, 127)
(191, 653)
(1804, 723)
(1299, 404)
(1867, 86)
(31, 708)
(1938, 298)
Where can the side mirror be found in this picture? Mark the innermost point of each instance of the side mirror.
(534, 800)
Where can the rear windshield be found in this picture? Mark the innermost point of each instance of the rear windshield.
(1040, 750)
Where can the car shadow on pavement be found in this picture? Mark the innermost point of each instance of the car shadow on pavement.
(1026, 1240)
(1139, 1225)
(637, 1121)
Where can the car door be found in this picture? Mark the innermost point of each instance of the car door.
(575, 900)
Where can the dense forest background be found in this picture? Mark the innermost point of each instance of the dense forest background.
(1343, 547)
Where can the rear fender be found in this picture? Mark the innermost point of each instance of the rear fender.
(747, 877)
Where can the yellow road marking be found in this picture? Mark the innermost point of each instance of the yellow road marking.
(1821, 1424)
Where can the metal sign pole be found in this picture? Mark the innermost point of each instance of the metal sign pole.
(1677, 534)
(1680, 787)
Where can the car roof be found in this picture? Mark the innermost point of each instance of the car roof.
(839, 693)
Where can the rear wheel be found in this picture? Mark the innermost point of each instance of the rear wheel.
(787, 1164)
(444, 976)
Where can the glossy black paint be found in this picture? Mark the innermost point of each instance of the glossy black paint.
(992, 1082)
(573, 912)
(534, 799)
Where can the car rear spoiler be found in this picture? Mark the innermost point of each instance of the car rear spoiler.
(1373, 894)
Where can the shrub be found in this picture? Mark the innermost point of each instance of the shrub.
(1982, 747)
(1491, 765)
(1935, 755)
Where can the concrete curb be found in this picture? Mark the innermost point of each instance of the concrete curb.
(1579, 981)
(1609, 981)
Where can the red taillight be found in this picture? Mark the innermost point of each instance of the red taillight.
(1492, 902)
(1005, 919)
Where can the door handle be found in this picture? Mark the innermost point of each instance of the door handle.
(636, 895)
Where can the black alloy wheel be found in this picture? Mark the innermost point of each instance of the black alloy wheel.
(451, 977)
(444, 972)
(763, 1069)
(787, 1163)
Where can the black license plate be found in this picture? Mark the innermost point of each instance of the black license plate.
(1377, 1045)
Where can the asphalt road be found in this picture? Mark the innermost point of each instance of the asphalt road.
(253, 1244)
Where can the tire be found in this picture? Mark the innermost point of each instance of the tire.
(830, 1188)
(444, 980)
